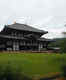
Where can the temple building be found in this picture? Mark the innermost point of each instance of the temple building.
(16, 37)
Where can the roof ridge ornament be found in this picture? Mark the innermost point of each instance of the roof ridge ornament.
(14, 22)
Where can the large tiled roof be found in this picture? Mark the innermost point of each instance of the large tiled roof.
(25, 27)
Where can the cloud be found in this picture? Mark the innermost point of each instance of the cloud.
(44, 14)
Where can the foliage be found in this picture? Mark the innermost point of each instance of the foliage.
(61, 43)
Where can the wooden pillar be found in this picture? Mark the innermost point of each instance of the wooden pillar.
(47, 45)
(40, 46)
(15, 45)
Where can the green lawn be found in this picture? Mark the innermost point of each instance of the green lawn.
(33, 64)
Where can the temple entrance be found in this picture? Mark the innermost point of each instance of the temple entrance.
(40, 47)
(15, 46)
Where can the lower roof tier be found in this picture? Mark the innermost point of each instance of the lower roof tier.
(22, 38)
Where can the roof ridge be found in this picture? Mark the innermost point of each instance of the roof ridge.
(26, 27)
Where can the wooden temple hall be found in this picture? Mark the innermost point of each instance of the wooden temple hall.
(22, 37)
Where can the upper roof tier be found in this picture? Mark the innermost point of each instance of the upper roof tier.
(25, 27)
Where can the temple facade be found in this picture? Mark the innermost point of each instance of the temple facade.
(16, 37)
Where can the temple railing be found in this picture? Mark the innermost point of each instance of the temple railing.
(11, 37)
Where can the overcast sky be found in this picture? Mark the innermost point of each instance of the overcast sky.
(43, 14)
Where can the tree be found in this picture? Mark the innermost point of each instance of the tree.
(64, 34)
(63, 45)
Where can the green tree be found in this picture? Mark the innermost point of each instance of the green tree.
(63, 45)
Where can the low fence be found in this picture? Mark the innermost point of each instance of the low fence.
(49, 52)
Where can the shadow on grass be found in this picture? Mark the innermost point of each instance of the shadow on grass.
(9, 73)
(14, 72)
(64, 71)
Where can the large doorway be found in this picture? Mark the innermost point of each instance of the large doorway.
(15, 46)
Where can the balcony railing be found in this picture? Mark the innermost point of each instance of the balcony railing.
(11, 37)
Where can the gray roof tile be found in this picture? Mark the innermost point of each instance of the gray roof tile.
(26, 28)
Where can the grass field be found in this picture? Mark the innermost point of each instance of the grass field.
(33, 64)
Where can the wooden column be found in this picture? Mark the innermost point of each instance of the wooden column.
(15, 45)
(40, 46)
(47, 45)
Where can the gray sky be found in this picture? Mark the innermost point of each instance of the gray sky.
(44, 14)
